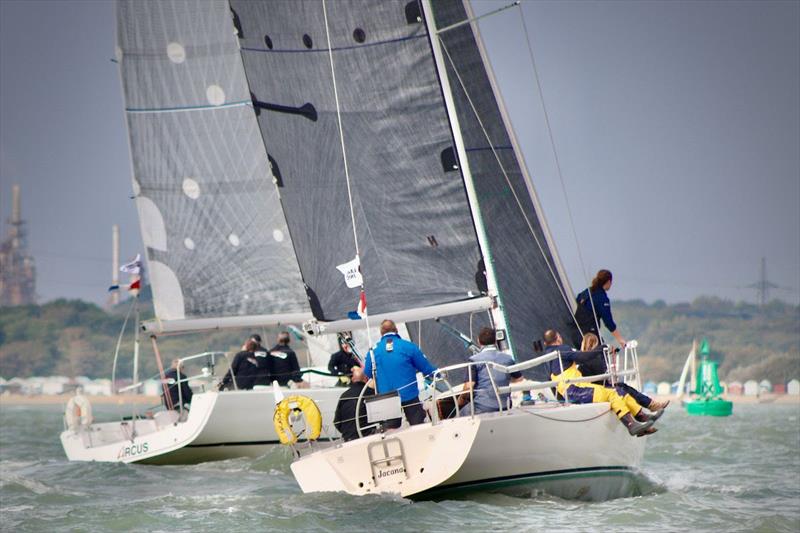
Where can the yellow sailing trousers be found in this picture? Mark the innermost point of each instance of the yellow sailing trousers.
(593, 393)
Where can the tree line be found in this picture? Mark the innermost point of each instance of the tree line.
(76, 338)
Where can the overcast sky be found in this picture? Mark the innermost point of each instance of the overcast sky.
(677, 126)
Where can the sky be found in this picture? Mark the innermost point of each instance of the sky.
(676, 126)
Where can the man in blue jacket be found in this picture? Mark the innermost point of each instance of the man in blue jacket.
(398, 361)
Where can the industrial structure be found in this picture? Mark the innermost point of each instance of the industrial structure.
(17, 268)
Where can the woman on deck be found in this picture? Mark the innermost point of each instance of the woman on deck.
(594, 306)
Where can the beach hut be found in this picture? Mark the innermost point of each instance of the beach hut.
(650, 387)
(735, 387)
(751, 388)
(664, 389)
(779, 388)
(765, 386)
(793, 387)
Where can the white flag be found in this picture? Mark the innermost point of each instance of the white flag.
(352, 273)
(134, 267)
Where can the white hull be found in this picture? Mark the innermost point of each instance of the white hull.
(574, 451)
(220, 425)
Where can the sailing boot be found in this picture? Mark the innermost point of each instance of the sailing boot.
(634, 427)
(642, 417)
(658, 406)
(648, 431)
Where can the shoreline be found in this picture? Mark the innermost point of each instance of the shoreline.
(56, 399)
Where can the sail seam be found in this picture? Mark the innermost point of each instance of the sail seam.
(332, 49)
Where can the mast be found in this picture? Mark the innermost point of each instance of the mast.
(115, 262)
(497, 313)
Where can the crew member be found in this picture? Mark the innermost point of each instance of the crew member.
(594, 307)
(175, 378)
(342, 362)
(261, 355)
(283, 366)
(398, 361)
(484, 399)
(591, 343)
(625, 406)
(345, 417)
(246, 369)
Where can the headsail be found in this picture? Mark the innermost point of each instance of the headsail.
(535, 290)
(216, 239)
(416, 237)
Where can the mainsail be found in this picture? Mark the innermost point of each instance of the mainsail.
(311, 64)
(217, 244)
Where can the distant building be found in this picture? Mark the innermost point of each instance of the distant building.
(764, 386)
(664, 389)
(17, 269)
(735, 387)
(779, 388)
(793, 387)
(751, 388)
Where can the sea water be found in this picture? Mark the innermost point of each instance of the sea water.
(740, 473)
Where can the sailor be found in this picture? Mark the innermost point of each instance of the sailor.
(398, 361)
(594, 307)
(345, 417)
(172, 377)
(484, 398)
(342, 362)
(246, 369)
(625, 407)
(261, 356)
(282, 363)
(591, 343)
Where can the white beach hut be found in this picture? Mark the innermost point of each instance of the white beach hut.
(793, 387)
(664, 389)
(764, 386)
(751, 388)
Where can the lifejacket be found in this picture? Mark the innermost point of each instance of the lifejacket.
(309, 409)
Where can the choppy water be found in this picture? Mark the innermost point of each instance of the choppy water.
(736, 474)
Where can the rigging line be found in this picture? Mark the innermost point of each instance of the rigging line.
(119, 344)
(508, 180)
(347, 176)
(558, 165)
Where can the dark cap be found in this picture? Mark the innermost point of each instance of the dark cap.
(256, 337)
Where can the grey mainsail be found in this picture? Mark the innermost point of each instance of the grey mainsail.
(417, 241)
(214, 232)
(536, 294)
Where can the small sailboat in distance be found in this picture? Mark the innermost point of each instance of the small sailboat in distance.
(706, 397)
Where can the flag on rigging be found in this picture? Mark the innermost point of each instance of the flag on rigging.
(352, 273)
(361, 308)
(134, 267)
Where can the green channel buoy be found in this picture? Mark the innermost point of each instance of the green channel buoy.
(706, 399)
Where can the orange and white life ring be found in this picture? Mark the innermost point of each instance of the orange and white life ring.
(78, 413)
